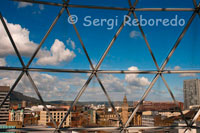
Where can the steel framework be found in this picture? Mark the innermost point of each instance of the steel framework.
(94, 72)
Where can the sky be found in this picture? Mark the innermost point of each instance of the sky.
(62, 49)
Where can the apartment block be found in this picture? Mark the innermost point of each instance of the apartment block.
(191, 90)
(57, 113)
(4, 110)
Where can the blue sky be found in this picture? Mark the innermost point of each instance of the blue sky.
(62, 49)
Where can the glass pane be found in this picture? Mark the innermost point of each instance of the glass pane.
(186, 55)
(58, 90)
(165, 4)
(26, 26)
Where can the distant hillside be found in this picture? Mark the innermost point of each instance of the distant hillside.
(18, 97)
(116, 103)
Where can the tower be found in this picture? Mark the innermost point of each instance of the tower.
(12, 115)
(191, 90)
(21, 118)
(124, 114)
(23, 104)
(4, 111)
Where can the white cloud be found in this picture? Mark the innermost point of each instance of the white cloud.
(134, 34)
(8, 77)
(51, 87)
(177, 68)
(2, 62)
(26, 47)
(131, 84)
(185, 74)
(135, 80)
(71, 43)
(113, 83)
(66, 88)
(41, 6)
(24, 4)
(57, 54)
(79, 50)
(36, 12)
(188, 75)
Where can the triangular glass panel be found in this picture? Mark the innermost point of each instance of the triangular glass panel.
(159, 108)
(7, 80)
(124, 91)
(103, 3)
(96, 109)
(186, 55)
(129, 49)
(58, 91)
(62, 49)
(100, 26)
(165, 4)
(26, 26)
(26, 107)
(162, 30)
(186, 89)
(8, 56)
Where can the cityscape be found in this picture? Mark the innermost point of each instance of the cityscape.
(100, 66)
(20, 114)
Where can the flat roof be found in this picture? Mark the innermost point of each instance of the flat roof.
(4, 88)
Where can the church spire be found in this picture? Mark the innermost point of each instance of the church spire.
(125, 99)
(125, 113)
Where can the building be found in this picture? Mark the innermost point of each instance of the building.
(93, 116)
(57, 113)
(125, 113)
(24, 115)
(148, 118)
(193, 130)
(16, 115)
(169, 114)
(137, 119)
(4, 110)
(40, 108)
(191, 90)
(159, 106)
(107, 118)
(23, 104)
(82, 119)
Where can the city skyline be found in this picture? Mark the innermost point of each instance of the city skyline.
(62, 49)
